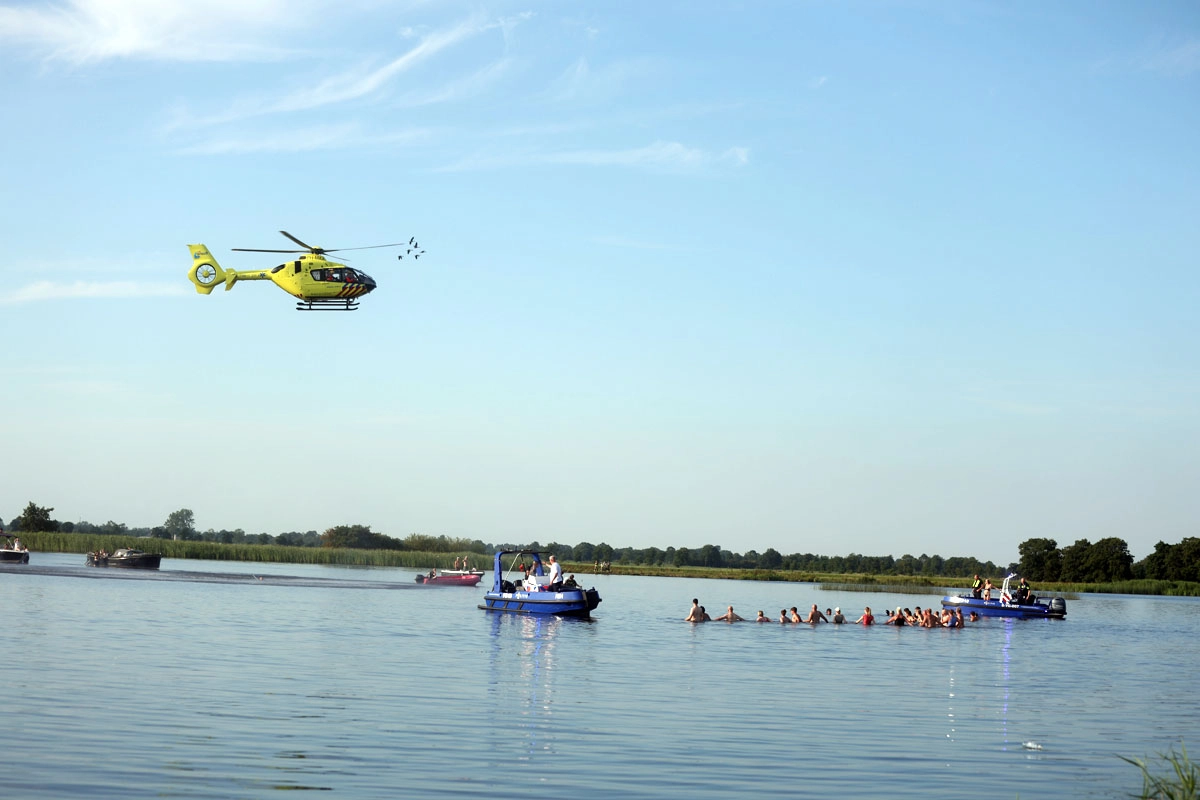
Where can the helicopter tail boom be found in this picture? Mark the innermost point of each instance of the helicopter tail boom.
(206, 273)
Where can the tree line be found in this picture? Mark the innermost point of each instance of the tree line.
(1106, 561)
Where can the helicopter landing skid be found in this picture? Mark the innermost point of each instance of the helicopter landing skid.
(327, 304)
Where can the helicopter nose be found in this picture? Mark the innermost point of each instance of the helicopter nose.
(369, 281)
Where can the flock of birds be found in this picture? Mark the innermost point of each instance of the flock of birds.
(412, 245)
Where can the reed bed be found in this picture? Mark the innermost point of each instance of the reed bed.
(1181, 780)
(259, 553)
(417, 559)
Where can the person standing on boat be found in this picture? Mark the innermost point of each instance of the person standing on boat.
(1022, 595)
(555, 579)
(977, 587)
(987, 589)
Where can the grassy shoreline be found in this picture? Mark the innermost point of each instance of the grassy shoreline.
(272, 553)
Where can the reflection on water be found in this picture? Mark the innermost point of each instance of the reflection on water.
(522, 684)
(1005, 663)
(244, 691)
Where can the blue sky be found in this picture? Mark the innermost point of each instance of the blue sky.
(877, 277)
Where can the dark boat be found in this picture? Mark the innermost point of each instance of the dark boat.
(125, 557)
(558, 600)
(451, 577)
(11, 551)
(1007, 605)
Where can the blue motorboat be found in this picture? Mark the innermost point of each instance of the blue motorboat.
(1010, 603)
(524, 589)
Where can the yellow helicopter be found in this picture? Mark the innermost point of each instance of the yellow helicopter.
(320, 284)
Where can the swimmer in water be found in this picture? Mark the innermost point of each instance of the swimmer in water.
(729, 616)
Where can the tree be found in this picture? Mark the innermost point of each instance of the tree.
(1040, 559)
(1108, 561)
(1075, 567)
(360, 537)
(770, 559)
(710, 555)
(1173, 562)
(181, 524)
(35, 518)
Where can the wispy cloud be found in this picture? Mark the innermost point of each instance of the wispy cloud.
(318, 137)
(52, 290)
(461, 89)
(818, 82)
(82, 31)
(656, 154)
(359, 82)
(1171, 58)
(672, 156)
(580, 82)
(1174, 60)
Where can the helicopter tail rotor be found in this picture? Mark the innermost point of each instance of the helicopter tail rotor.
(206, 273)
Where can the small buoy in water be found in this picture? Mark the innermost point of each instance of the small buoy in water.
(1032, 746)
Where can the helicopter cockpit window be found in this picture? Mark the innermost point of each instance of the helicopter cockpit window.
(281, 266)
(351, 276)
(336, 276)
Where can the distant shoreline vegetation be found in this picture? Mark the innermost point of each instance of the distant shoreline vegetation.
(45, 541)
(1105, 566)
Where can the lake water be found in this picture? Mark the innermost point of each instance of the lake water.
(224, 680)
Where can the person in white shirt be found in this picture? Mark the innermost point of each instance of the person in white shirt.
(555, 572)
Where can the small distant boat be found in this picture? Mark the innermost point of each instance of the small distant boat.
(9, 554)
(125, 557)
(1007, 605)
(558, 600)
(452, 577)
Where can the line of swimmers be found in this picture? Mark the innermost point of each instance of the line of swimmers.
(921, 618)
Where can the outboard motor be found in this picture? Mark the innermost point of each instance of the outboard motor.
(1058, 606)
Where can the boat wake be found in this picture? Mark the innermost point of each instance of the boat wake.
(199, 577)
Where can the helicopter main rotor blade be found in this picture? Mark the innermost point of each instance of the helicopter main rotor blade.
(256, 250)
(308, 247)
(371, 247)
